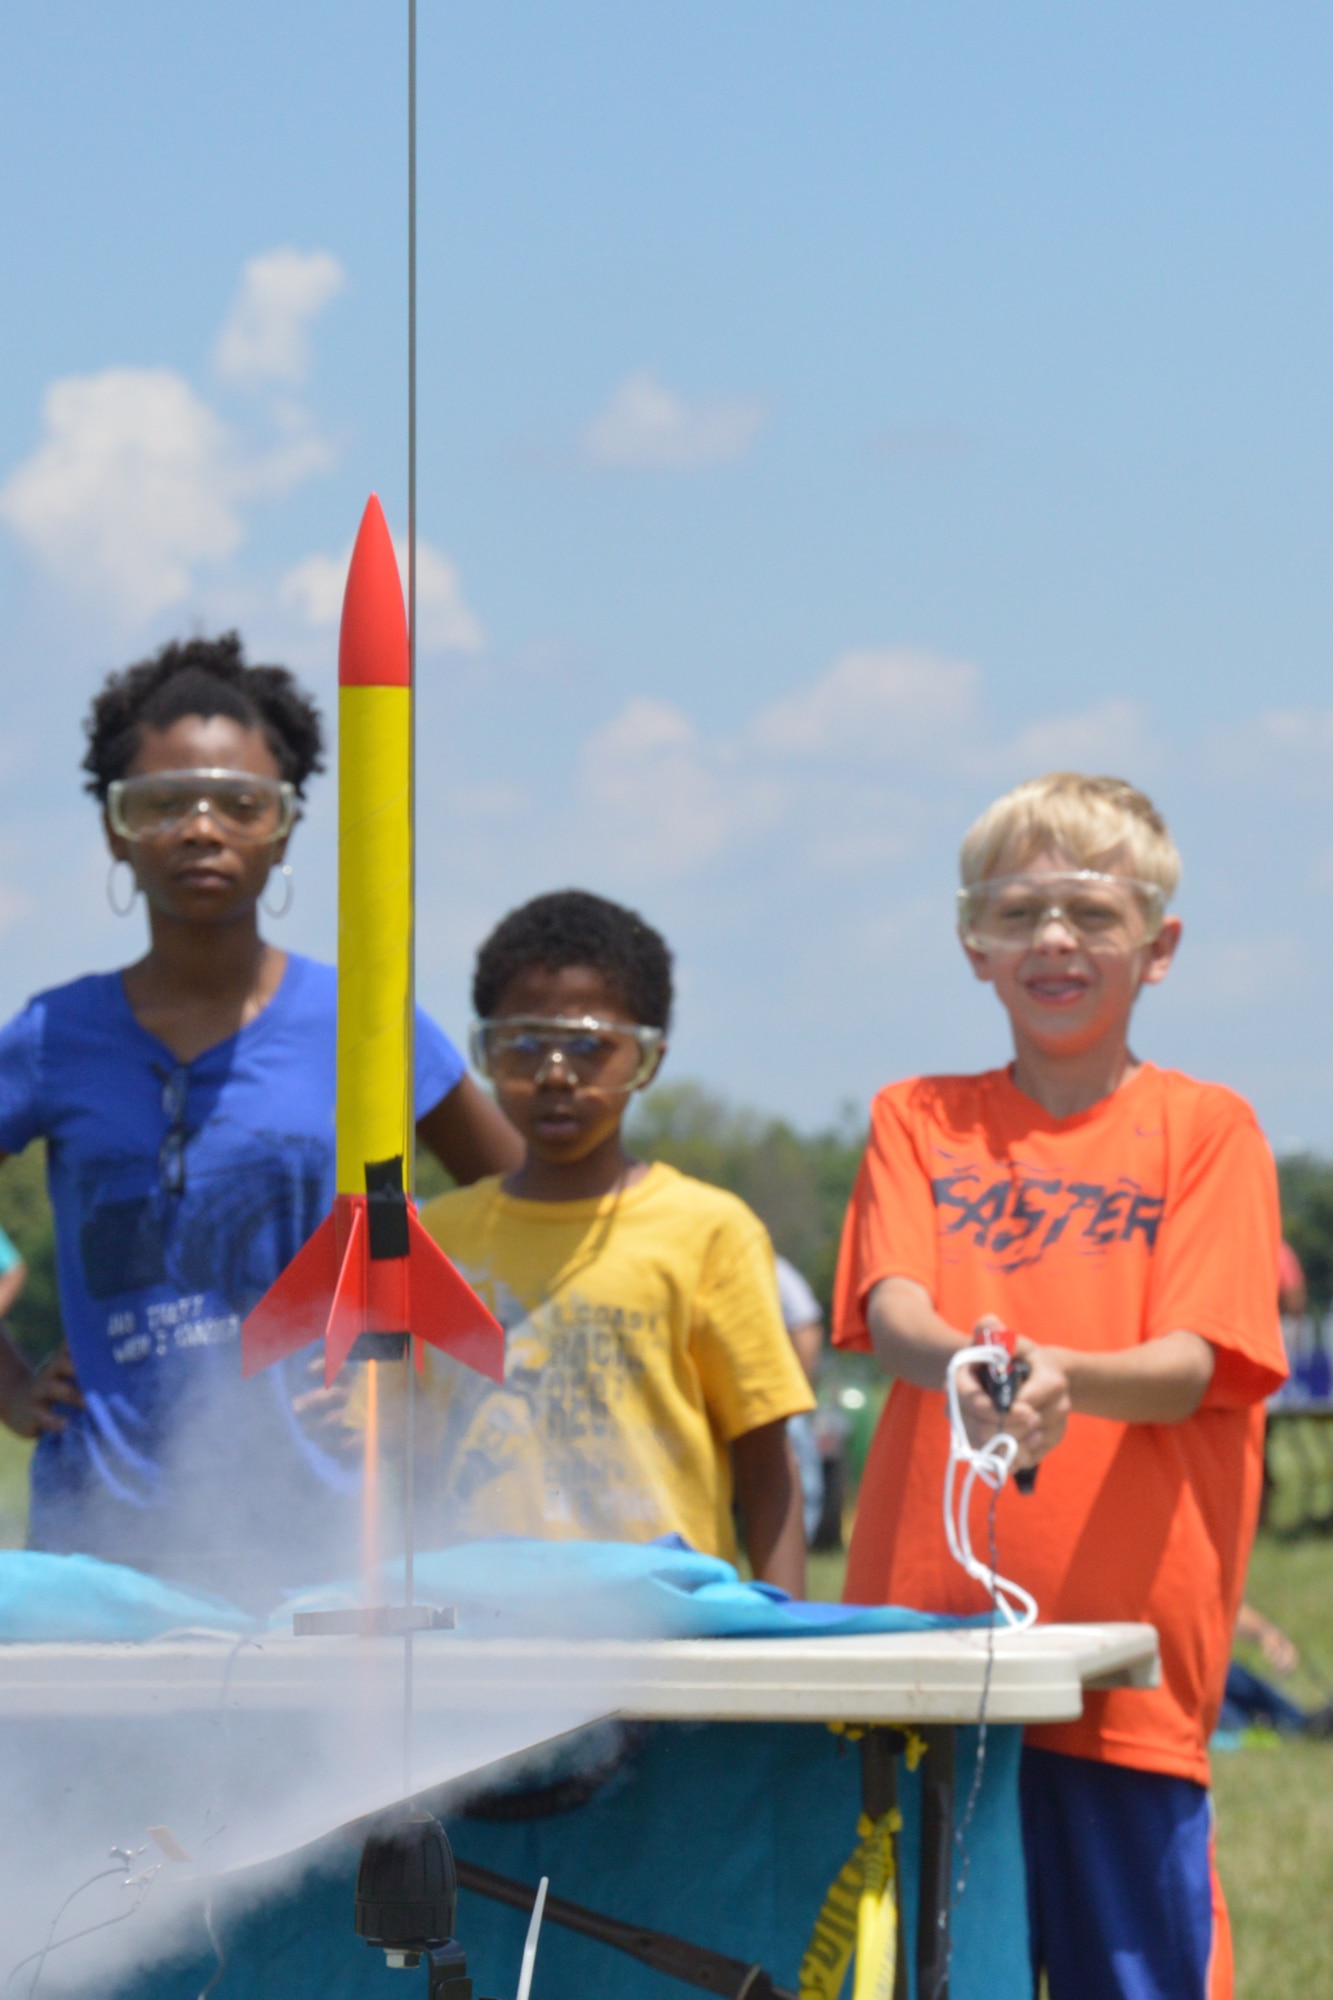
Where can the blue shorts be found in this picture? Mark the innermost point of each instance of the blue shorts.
(1123, 1897)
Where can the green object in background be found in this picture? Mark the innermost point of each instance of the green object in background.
(797, 1183)
(25, 1216)
(860, 1405)
(15, 1453)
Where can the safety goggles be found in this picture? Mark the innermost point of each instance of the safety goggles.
(527, 1048)
(1102, 912)
(245, 807)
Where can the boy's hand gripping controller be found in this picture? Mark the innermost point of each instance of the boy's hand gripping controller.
(1003, 1384)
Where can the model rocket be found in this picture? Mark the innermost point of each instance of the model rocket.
(370, 1269)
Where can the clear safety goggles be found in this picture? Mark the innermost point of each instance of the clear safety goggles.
(245, 807)
(1102, 912)
(527, 1048)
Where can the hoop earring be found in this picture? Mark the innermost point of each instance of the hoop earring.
(121, 909)
(288, 892)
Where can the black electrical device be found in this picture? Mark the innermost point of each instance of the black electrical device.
(1002, 1389)
(407, 1900)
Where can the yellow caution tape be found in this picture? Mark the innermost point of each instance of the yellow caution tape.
(860, 1915)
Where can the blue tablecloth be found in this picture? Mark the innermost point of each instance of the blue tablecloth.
(727, 1835)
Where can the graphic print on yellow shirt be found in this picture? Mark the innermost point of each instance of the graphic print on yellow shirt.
(642, 1335)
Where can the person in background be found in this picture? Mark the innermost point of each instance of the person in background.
(1292, 1293)
(187, 1103)
(804, 1322)
(648, 1376)
(1307, 1357)
(13, 1276)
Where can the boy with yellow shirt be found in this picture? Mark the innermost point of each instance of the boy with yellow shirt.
(648, 1374)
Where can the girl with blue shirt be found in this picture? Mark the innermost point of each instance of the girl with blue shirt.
(187, 1103)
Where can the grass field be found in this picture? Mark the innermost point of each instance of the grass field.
(1274, 1803)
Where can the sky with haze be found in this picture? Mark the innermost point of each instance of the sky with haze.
(829, 415)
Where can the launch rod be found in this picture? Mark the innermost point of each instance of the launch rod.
(409, 1164)
(695, 1964)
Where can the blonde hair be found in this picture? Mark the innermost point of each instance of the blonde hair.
(1096, 822)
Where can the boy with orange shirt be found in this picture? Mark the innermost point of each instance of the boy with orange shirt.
(1123, 1219)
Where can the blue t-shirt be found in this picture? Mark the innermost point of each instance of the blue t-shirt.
(180, 1191)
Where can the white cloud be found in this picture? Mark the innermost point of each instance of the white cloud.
(266, 336)
(1289, 747)
(137, 482)
(314, 589)
(133, 484)
(881, 756)
(663, 799)
(648, 427)
(1114, 738)
(445, 620)
(14, 906)
(874, 703)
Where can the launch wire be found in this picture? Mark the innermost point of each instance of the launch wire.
(142, 1882)
(409, 1484)
(990, 1464)
(219, 1954)
(964, 1825)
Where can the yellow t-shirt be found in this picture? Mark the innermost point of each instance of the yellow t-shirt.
(642, 1335)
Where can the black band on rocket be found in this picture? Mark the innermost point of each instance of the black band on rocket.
(386, 1208)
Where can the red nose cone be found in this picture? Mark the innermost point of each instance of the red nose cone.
(372, 642)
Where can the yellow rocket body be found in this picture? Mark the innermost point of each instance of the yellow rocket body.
(375, 1037)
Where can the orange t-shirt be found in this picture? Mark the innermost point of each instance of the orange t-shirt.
(1154, 1211)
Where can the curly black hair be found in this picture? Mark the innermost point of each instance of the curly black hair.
(201, 677)
(573, 927)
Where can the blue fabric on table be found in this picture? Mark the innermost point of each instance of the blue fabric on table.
(726, 1834)
(509, 1587)
(502, 1588)
(55, 1599)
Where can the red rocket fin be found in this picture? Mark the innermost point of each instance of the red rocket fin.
(347, 1308)
(294, 1309)
(447, 1312)
(340, 1297)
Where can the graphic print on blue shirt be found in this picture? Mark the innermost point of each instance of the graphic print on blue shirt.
(180, 1192)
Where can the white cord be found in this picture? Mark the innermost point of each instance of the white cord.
(530, 1948)
(991, 1463)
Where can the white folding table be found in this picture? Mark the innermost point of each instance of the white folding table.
(248, 1749)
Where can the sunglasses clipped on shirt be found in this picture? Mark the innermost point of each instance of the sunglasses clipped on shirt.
(171, 1153)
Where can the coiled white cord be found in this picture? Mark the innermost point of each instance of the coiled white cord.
(991, 1463)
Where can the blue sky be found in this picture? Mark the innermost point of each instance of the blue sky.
(829, 415)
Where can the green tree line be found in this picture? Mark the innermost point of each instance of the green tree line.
(798, 1182)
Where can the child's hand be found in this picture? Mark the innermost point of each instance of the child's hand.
(323, 1414)
(1041, 1408)
(44, 1399)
